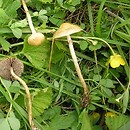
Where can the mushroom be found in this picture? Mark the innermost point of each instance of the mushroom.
(36, 38)
(66, 29)
(11, 69)
(5, 65)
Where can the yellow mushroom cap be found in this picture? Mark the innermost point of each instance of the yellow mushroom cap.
(66, 29)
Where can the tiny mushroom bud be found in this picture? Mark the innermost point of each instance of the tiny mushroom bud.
(66, 29)
(36, 39)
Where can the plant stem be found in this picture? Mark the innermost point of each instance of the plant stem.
(28, 97)
(28, 17)
(72, 51)
(52, 47)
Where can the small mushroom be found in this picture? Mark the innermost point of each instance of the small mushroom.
(5, 66)
(36, 38)
(66, 29)
(11, 69)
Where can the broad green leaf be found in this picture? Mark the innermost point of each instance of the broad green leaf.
(52, 112)
(37, 55)
(43, 18)
(107, 83)
(4, 125)
(125, 126)
(83, 44)
(125, 100)
(15, 87)
(95, 46)
(84, 120)
(60, 2)
(59, 14)
(96, 98)
(18, 108)
(1, 2)
(5, 44)
(19, 24)
(6, 83)
(10, 7)
(60, 46)
(57, 54)
(107, 92)
(63, 121)
(91, 107)
(97, 77)
(17, 32)
(4, 18)
(75, 2)
(115, 122)
(97, 127)
(67, 5)
(14, 123)
(56, 21)
(42, 12)
(41, 101)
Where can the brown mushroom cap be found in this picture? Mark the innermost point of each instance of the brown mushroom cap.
(5, 66)
(66, 29)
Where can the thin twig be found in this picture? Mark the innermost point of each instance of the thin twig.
(28, 97)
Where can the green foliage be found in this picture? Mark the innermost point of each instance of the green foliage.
(85, 121)
(83, 45)
(56, 119)
(114, 123)
(37, 55)
(41, 100)
(125, 100)
(10, 123)
(56, 94)
(45, 1)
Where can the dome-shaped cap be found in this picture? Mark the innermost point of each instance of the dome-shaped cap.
(5, 66)
(66, 29)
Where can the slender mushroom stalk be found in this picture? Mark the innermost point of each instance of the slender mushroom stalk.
(85, 87)
(36, 38)
(28, 97)
(65, 30)
(11, 69)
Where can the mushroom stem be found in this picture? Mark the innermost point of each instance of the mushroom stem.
(28, 97)
(28, 17)
(85, 87)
